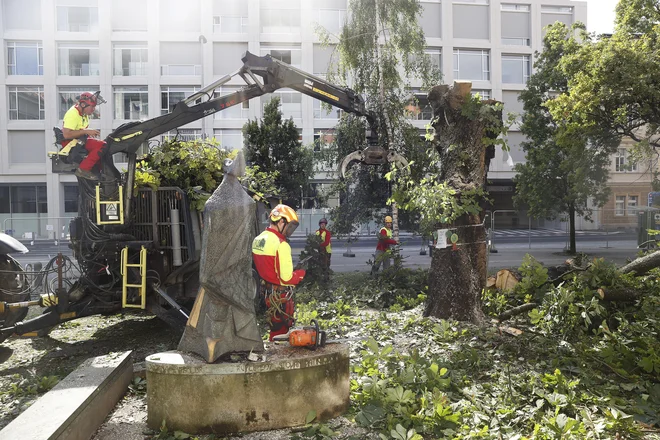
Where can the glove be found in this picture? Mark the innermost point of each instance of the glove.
(300, 274)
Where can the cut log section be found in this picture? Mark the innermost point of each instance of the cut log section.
(621, 294)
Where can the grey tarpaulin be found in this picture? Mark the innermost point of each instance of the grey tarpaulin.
(223, 318)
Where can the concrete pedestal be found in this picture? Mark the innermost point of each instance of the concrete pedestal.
(199, 398)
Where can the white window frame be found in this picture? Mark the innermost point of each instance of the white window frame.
(284, 29)
(619, 206)
(341, 18)
(121, 47)
(319, 113)
(632, 205)
(266, 50)
(15, 46)
(13, 106)
(73, 93)
(433, 53)
(128, 89)
(220, 133)
(514, 7)
(217, 24)
(185, 134)
(285, 96)
(93, 71)
(568, 10)
(226, 114)
(621, 162)
(91, 25)
(526, 66)
(471, 2)
(485, 63)
(187, 90)
(181, 69)
(483, 93)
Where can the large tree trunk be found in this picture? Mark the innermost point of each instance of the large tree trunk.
(642, 265)
(458, 273)
(572, 248)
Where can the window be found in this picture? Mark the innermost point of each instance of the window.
(229, 139)
(130, 59)
(287, 54)
(323, 139)
(224, 24)
(633, 204)
(284, 19)
(25, 58)
(170, 96)
(622, 163)
(474, 2)
(472, 64)
(420, 109)
(620, 206)
(227, 57)
(5, 203)
(430, 20)
(322, 59)
(557, 9)
(70, 198)
(28, 199)
(181, 58)
(78, 59)
(238, 111)
(436, 58)
(131, 103)
(77, 18)
(331, 19)
(26, 103)
(183, 134)
(182, 16)
(516, 25)
(513, 7)
(15, 17)
(26, 147)
(552, 14)
(322, 113)
(136, 21)
(483, 94)
(290, 103)
(68, 96)
(516, 69)
(471, 20)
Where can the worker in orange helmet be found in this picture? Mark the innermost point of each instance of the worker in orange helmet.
(385, 240)
(272, 258)
(75, 126)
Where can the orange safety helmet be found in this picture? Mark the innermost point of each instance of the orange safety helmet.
(288, 215)
(89, 99)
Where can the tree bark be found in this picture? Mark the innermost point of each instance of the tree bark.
(572, 249)
(516, 311)
(642, 265)
(458, 273)
(609, 294)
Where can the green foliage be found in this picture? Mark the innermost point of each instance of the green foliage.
(195, 167)
(166, 434)
(316, 272)
(566, 165)
(272, 144)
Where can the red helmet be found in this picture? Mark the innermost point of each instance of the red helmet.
(89, 99)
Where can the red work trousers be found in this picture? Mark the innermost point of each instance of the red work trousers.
(93, 147)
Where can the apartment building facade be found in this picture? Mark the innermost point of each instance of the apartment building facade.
(146, 55)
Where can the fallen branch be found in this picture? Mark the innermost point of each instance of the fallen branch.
(516, 311)
(642, 265)
(622, 294)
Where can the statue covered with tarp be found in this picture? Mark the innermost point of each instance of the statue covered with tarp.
(223, 319)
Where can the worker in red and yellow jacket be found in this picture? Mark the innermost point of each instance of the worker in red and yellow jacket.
(382, 248)
(272, 258)
(325, 247)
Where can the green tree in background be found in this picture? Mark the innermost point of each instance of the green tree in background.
(565, 166)
(272, 144)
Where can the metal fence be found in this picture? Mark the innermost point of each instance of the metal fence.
(37, 228)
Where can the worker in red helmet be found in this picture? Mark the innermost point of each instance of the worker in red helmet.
(272, 258)
(75, 126)
(325, 248)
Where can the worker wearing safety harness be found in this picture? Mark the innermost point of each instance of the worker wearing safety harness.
(76, 121)
(382, 248)
(325, 247)
(272, 258)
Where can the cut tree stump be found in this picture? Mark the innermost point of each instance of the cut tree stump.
(621, 294)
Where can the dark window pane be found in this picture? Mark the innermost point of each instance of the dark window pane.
(4, 200)
(42, 198)
(70, 198)
(24, 199)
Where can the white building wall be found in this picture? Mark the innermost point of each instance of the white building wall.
(155, 36)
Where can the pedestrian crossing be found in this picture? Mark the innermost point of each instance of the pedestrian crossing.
(540, 233)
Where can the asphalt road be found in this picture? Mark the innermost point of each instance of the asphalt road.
(511, 246)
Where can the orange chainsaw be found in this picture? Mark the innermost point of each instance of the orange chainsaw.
(309, 337)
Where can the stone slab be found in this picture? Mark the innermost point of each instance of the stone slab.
(222, 398)
(78, 405)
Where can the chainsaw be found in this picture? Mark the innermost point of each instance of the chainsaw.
(310, 337)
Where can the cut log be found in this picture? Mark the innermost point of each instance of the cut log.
(621, 294)
(516, 311)
(642, 265)
(490, 282)
(507, 279)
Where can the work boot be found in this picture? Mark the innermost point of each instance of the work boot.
(86, 174)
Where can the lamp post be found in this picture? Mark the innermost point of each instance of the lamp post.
(202, 42)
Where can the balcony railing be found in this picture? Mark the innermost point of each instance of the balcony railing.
(180, 69)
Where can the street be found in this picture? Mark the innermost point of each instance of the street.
(510, 245)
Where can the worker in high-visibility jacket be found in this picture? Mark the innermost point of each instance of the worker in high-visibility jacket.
(385, 240)
(272, 258)
(325, 248)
